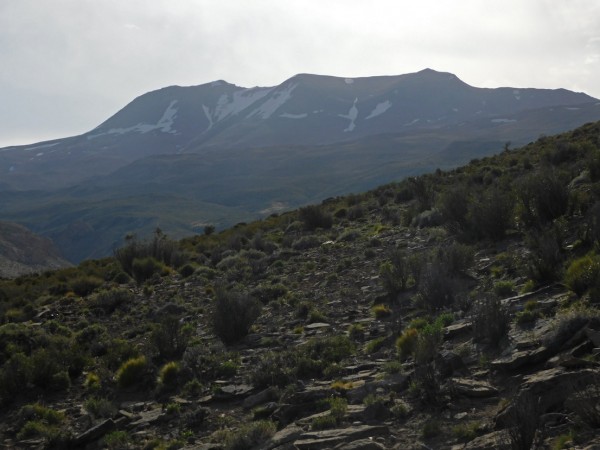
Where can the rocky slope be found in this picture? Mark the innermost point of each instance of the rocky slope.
(23, 252)
(456, 310)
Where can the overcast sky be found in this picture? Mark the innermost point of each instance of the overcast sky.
(67, 65)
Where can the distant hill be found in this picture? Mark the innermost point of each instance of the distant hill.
(22, 252)
(184, 157)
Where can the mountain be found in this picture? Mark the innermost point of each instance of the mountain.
(183, 157)
(351, 324)
(23, 252)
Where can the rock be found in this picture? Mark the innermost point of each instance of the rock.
(317, 440)
(361, 444)
(195, 418)
(497, 440)
(95, 433)
(232, 391)
(282, 437)
(376, 412)
(472, 388)
(457, 329)
(447, 362)
(260, 398)
(149, 417)
(520, 359)
(550, 388)
(429, 218)
(593, 336)
(316, 326)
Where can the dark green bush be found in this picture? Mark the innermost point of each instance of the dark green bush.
(491, 213)
(234, 314)
(171, 337)
(315, 216)
(543, 197)
(144, 268)
(490, 321)
(85, 285)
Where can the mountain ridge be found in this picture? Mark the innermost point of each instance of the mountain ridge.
(260, 148)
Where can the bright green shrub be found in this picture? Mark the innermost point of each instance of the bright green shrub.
(131, 371)
(583, 274)
(168, 374)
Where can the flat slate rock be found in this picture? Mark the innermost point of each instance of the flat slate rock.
(472, 388)
(316, 440)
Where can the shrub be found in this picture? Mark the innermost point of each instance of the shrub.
(490, 321)
(171, 337)
(109, 300)
(381, 311)
(504, 288)
(131, 371)
(85, 285)
(407, 342)
(490, 215)
(395, 273)
(144, 268)
(583, 274)
(168, 374)
(457, 257)
(543, 197)
(306, 242)
(234, 314)
(99, 407)
(160, 247)
(250, 436)
(375, 345)
(314, 216)
(435, 289)
(545, 261)
(453, 205)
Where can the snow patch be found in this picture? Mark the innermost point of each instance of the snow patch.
(239, 101)
(412, 123)
(573, 109)
(11, 169)
(379, 109)
(351, 116)
(293, 116)
(455, 109)
(40, 154)
(37, 147)
(503, 120)
(164, 124)
(274, 102)
(517, 94)
(348, 81)
(207, 114)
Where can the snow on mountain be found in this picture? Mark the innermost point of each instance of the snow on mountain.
(379, 109)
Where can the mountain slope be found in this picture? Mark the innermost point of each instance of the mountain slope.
(183, 157)
(22, 252)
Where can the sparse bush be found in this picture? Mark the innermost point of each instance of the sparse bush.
(131, 371)
(457, 257)
(144, 268)
(453, 205)
(99, 407)
(249, 436)
(160, 247)
(490, 215)
(395, 273)
(314, 216)
(109, 300)
(523, 420)
(543, 197)
(436, 288)
(490, 321)
(306, 242)
(171, 337)
(234, 314)
(85, 285)
(545, 261)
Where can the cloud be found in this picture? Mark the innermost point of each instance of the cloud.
(92, 57)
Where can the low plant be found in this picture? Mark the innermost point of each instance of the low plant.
(381, 311)
(131, 371)
(168, 374)
(234, 314)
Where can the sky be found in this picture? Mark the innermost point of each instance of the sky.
(68, 65)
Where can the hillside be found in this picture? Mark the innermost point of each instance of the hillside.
(180, 158)
(454, 310)
(22, 252)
